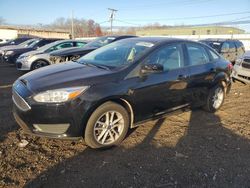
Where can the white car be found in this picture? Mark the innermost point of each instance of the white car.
(241, 71)
(40, 57)
(2, 41)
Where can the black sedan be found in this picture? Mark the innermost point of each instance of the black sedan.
(11, 54)
(116, 87)
(72, 54)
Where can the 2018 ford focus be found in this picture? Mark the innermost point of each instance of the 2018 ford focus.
(118, 86)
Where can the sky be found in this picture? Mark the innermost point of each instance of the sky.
(130, 12)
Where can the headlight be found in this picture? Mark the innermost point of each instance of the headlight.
(25, 57)
(9, 52)
(1, 52)
(239, 61)
(59, 95)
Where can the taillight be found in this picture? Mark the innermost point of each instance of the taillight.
(230, 66)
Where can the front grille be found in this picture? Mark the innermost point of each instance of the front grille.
(246, 63)
(20, 102)
(247, 60)
(245, 77)
(19, 65)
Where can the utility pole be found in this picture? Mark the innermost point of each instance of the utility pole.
(72, 25)
(111, 18)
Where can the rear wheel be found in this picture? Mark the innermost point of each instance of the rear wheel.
(38, 64)
(107, 126)
(215, 98)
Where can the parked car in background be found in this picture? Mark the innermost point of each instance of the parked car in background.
(40, 57)
(75, 53)
(3, 41)
(24, 44)
(118, 86)
(11, 55)
(241, 70)
(230, 49)
(16, 41)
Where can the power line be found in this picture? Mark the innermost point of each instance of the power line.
(167, 4)
(127, 22)
(186, 18)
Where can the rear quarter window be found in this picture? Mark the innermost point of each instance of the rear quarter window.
(213, 55)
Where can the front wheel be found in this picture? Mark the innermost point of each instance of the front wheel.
(107, 126)
(215, 98)
(38, 64)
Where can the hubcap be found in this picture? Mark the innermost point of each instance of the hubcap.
(109, 127)
(218, 98)
(39, 64)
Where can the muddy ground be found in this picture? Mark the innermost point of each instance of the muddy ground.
(190, 149)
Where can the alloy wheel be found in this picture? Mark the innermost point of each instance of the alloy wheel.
(218, 97)
(109, 127)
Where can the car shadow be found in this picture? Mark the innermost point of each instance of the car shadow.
(207, 154)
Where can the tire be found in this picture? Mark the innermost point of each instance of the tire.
(38, 64)
(215, 99)
(99, 133)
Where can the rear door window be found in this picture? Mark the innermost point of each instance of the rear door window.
(80, 44)
(197, 54)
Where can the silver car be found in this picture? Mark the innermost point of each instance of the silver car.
(241, 70)
(40, 57)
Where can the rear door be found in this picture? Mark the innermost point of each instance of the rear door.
(201, 68)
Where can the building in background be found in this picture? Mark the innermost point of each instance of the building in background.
(11, 32)
(183, 30)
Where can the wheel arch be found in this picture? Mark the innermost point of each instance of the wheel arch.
(39, 60)
(123, 101)
(221, 78)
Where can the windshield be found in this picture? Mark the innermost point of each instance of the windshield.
(27, 43)
(33, 43)
(101, 41)
(116, 54)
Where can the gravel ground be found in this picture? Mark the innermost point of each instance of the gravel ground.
(190, 149)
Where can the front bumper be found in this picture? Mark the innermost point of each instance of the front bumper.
(49, 120)
(23, 65)
(241, 74)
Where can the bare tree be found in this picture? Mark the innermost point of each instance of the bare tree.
(82, 27)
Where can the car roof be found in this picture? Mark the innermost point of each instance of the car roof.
(219, 40)
(157, 40)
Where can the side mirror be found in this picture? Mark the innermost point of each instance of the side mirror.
(151, 68)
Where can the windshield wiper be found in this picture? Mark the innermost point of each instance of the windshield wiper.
(96, 65)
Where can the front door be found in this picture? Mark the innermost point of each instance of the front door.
(156, 92)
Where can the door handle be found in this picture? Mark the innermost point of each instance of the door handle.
(213, 70)
(182, 77)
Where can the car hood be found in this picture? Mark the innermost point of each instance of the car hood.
(4, 48)
(70, 74)
(18, 48)
(34, 52)
(73, 51)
